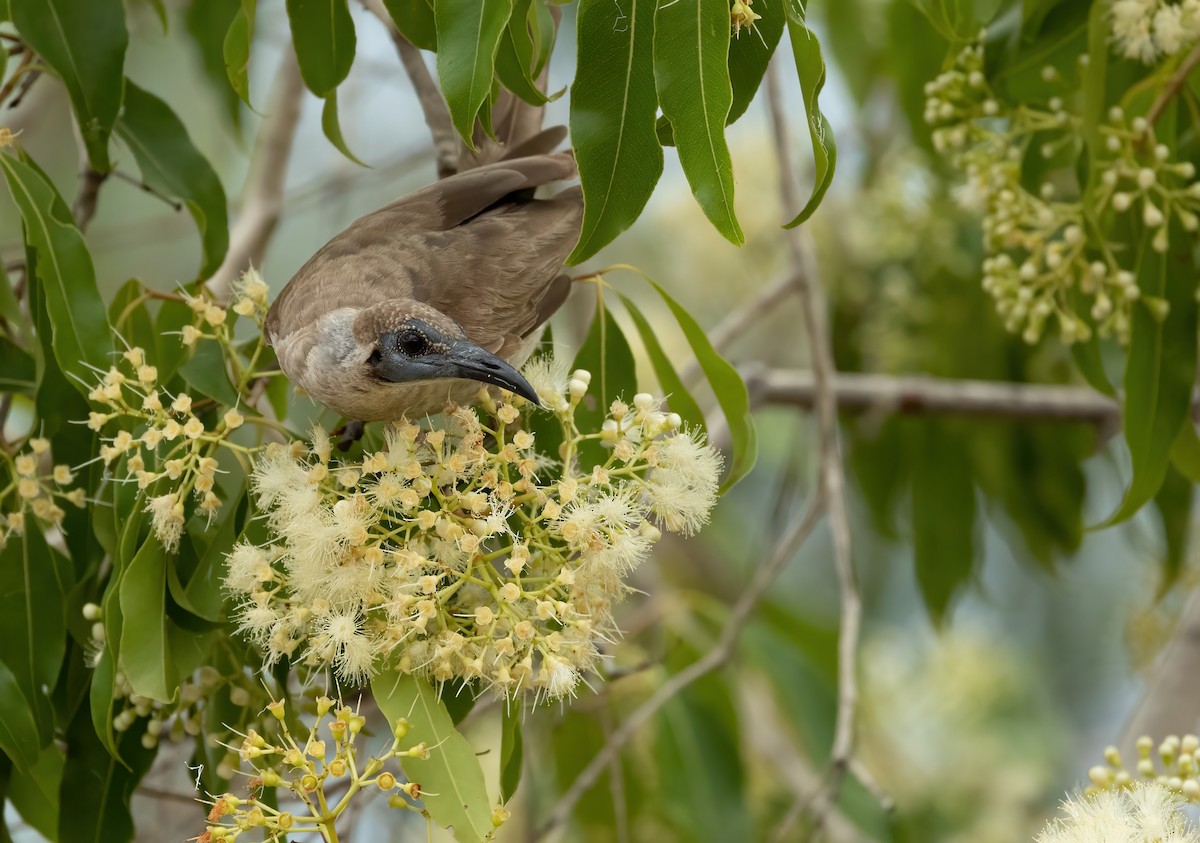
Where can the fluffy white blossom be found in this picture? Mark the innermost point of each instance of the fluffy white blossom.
(1146, 812)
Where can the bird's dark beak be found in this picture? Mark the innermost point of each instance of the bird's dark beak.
(473, 363)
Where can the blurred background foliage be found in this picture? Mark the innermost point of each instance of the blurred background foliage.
(1004, 643)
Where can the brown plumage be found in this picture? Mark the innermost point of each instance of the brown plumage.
(391, 315)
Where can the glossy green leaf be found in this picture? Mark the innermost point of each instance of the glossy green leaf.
(83, 42)
(678, 398)
(1185, 452)
(515, 56)
(36, 794)
(65, 270)
(34, 581)
(323, 35)
(1161, 371)
(691, 75)
(18, 726)
(606, 354)
(145, 649)
(208, 23)
(613, 110)
(1174, 501)
(544, 30)
(414, 19)
(810, 68)
(206, 372)
(104, 785)
(468, 36)
(333, 129)
(171, 164)
(512, 751)
(943, 517)
(451, 779)
(728, 387)
(17, 369)
(236, 49)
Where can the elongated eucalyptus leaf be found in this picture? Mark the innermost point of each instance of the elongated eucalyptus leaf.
(101, 784)
(810, 68)
(145, 648)
(333, 129)
(679, 399)
(943, 517)
(728, 387)
(236, 49)
(323, 35)
(34, 582)
(468, 35)
(606, 354)
(515, 57)
(451, 780)
(1161, 370)
(171, 164)
(691, 74)
(64, 268)
(613, 110)
(18, 726)
(414, 19)
(37, 794)
(83, 42)
(208, 23)
(512, 753)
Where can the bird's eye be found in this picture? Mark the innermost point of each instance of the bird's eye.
(411, 343)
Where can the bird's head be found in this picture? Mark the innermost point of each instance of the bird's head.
(412, 342)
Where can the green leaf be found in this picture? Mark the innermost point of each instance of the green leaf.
(206, 373)
(1161, 371)
(18, 372)
(750, 53)
(1174, 504)
(451, 779)
(613, 110)
(1185, 452)
(333, 130)
(515, 56)
(65, 270)
(34, 581)
(414, 19)
(810, 68)
(943, 516)
(468, 36)
(83, 42)
(323, 34)
(171, 164)
(512, 752)
(728, 387)
(208, 23)
(100, 785)
(606, 354)
(145, 649)
(18, 726)
(236, 49)
(35, 795)
(678, 398)
(691, 75)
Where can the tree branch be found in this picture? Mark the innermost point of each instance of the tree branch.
(921, 395)
(262, 198)
(1174, 85)
(764, 577)
(832, 475)
(429, 95)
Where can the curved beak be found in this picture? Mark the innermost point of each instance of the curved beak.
(473, 363)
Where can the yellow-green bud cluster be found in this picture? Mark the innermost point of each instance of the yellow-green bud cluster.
(31, 486)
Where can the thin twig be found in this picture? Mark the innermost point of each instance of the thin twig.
(262, 199)
(17, 75)
(141, 185)
(1174, 85)
(90, 179)
(764, 577)
(433, 106)
(832, 474)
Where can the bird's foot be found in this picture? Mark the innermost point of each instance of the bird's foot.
(350, 433)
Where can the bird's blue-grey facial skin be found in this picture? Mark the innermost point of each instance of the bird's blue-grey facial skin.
(417, 351)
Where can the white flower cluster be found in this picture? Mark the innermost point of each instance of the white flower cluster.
(460, 552)
(34, 491)
(1146, 812)
(1147, 30)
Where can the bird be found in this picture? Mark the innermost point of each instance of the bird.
(413, 306)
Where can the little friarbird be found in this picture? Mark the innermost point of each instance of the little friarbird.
(413, 306)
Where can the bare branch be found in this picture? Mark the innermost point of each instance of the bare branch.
(921, 395)
(90, 179)
(1174, 85)
(262, 198)
(832, 479)
(437, 116)
(782, 554)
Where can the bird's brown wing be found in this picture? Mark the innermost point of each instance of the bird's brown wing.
(476, 246)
